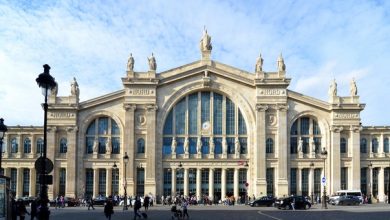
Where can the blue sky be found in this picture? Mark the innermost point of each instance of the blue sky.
(91, 40)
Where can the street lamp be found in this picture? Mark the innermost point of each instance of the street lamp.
(324, 153)
(3, 129)
(115, 167)
(312, 190)
(46, 82)
(125, 161)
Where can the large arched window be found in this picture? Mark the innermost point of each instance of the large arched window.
(39, 145)
(27, 146)
(343, 145)
(386, 145)
(14, 145)
(269, 146)
(141, 146)
(363, 146)
(208, 120)
(63, 146)
(374, 143)
(103, 136)
(305, 130)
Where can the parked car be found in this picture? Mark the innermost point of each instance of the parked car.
(71, 202)
(100, 200)
(299, 202)
(263, 201)
(356, 193)
(346, 200)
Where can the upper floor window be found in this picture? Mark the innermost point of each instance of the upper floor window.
(27, 146)
(141, 146)
(39, 145)
(374, 143)
(386, 145)
(63, 146)
(305, 132)
(103, 136)
(363, 146)
(14, 145)
(204, 115)
(343, 145)
(269, 146)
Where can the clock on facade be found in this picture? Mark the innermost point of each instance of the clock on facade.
(206, 125)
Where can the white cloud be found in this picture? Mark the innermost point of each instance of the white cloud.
(92, 40)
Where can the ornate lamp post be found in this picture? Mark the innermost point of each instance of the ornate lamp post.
(125, 161)
(3, 130)
(46, 82)
(324, 153)
(312, 190)
(114, 167)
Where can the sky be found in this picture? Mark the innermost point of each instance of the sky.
(91, 40)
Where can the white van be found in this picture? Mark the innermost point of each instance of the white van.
(348, 192)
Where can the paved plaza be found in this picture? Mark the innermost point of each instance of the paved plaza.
(362, 212)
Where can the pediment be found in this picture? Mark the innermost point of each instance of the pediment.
(295, 96)
(206, 69)
(102, 99)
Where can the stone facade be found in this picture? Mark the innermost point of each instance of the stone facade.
(285, 133)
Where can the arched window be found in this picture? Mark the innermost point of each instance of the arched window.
(39, 145)
(14, 145)
(305, 129)
(343, 145)
(205, 116)
(363, 146)
(103, 136)
(269, 146)
(141, 146)
(374, 143)
(63, 146)
(386, 145)
(27, 145)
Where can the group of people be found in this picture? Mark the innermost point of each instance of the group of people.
(18, 209)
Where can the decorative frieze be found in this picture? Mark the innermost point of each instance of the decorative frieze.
(346, 115)
(272, 92)
(129, 107)
(61, 115)
(141, 92)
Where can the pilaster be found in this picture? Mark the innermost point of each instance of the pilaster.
(150, 172)
(355, 149)
(95, 182)
(108, 181)
(259, 151)
(334, 159)
(71, 168)
(173, 193)
(198, 182)
(128, 146)
(185, 181)
(211, 183)
(282, 149)
(235, 181)
(381, 184)
(223, 183)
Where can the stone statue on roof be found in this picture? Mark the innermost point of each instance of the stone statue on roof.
(353, 88)
(152, 63)
(259, 64)
(205, 42)
(332, 88)
(74, 87)
(130, 63)
(281, 65)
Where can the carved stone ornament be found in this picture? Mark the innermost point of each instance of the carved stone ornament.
(141, 119)
(271, 120)
(356, 129)
(151, 108)
(336, 129)
(72, 129)
(130, 107)
(282, 107)
(261, 107)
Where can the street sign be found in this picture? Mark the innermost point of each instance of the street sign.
(48, 165)
(323, 180)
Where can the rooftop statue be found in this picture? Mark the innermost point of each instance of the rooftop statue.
(130, 63)
(152, 63)
(353, 88)
(281, 65)
(333, 88)
(205, 42)
(259, 64)
(74, 87)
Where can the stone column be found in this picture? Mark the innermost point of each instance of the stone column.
(108, 181)
(211, 183)
(51, 148)
(19, 182)
(173, 193)
(355, 164)
(223, 183)
(71, 165)
(299, 181)
(198, 182)
(95, 182)
(21, 145)
(150, 170)
(185, 181)
(33, 181)
(235, 189)
(333, 157)
(370, 170)
(128, 146)
(259, 155)
(381, 151)
(33, 146)
(311, 182)
(282, 178)
(381, 184)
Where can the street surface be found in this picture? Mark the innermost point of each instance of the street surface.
(239, 212)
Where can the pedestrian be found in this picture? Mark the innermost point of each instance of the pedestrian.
(14, 209)
(22, 211)
(184, 206)
(90, 203)
(146, 202)
(33, 212)
(137, 206)
(108, 209)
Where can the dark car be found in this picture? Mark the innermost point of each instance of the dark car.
(346, 200)
(100, 200)
(71, 202)
(263, 201)
(296, 202)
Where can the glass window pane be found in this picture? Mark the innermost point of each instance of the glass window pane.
(363, 145)
(305, 124)
(89, 143)
(386, 145)
(230, 119)
(241, 124)
(27, 146)
(243, 145)
(205, 106)
(218, 145)
(205, 145)
(91, 129)
(168, 124)
(193, 113)
(230, 145)
(192, 143)
(103, 125)
(218, 99)
(114, 128)
(180, 113)
(102, 145)
(63, 146)
(167, 142)
(141, 146)
(294, 128)
(180, 145)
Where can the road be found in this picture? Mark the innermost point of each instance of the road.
(362, 212)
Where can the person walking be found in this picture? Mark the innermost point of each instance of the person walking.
(109, 209)
(184, 206)
(22, 211)
(137, 206)
(90, 203)
(146, 202)
(33, 212)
